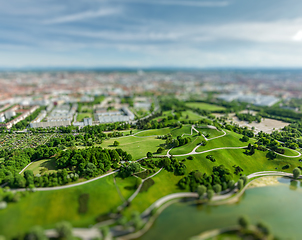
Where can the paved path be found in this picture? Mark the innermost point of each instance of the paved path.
(66, 186)
(140, 186)
(26, 167)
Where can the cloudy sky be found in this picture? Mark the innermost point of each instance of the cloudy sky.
(151, 33)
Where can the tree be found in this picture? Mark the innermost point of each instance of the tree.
(240, 184)
(160, 150)
(149, 155)
(263, 228)
(244, 179)
(243, 222)
(64, 230)
(136, 220)
(134, 167)
(116, 143)
(296, 173)
(217, 188)
(36, 233)
(210, 194)
(201, 190)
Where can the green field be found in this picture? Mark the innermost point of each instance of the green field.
(289, 152)
(136, 146)
(163, 131)
(81, 116)
(188, 147)
(154, 132)
(230, 157)
(231, 139)
(164, 183)
(50, 207)
(205, 106)
(191, 116)
(49, 164)
(212, 132)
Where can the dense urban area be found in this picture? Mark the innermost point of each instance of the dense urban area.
(101, 155)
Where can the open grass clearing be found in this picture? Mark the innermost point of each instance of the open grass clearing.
(211, 132)
(231, 139)
(189, 115)
(205, 106)
(188, 147)
(289, 152)
(81, 116)
(230, 157)
(186, 129)
(49, 164)
(165, 183)
(48, 208)
(137, 147)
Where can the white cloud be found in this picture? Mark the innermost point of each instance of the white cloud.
(298, 36)
(84, 15)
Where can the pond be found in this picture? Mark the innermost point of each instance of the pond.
(279, 206)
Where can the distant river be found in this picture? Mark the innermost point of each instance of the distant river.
(279, 206)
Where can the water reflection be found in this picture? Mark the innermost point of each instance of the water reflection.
(271, 204)
(293, 185)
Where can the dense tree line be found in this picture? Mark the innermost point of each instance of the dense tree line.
(248, 117)
(221, 175)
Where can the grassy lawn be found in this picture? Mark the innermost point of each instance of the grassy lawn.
(50, 207)
(81, 116)
(164, 183)
(163, 131)
(205, 106)
(230, 157)
(154, 132)
(212, 132)
(188, 147)
(50, 164)
(137, 147)
(231, 139)
(289, 152)
(191, 116)
(126, 186)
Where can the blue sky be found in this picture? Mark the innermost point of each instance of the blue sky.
(151, 33)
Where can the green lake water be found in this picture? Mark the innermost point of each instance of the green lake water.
(279, 206)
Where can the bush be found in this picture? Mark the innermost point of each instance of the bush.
(201, 190)
(160, 150)
(210, 194)
(231, 184)
(64, 230)
(285, 167)
(243, 222)
(296, 173)
(240, 184)
(217, 188)
(244, 179)
(244, 139)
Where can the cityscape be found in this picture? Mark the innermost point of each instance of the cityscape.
(150, 120)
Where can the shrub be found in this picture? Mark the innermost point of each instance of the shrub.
(217, 188)
(243, 222)
(210, 194)
(296, 173)
(240, 184)
(201, 190)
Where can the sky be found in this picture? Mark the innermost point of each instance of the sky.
(151, 33)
